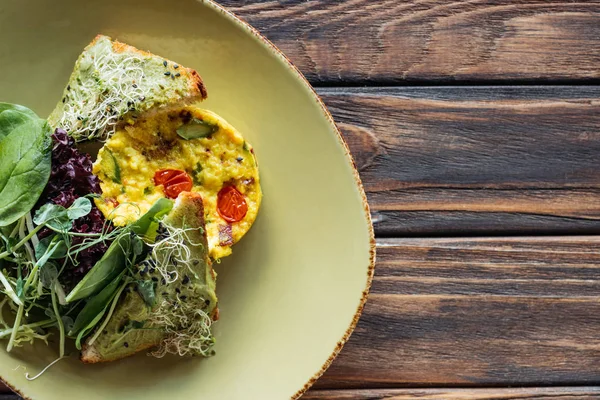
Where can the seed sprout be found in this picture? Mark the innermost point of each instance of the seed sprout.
(112, 85)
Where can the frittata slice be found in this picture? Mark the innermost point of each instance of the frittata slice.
(194, 141)
(173, 303)
(113, 82)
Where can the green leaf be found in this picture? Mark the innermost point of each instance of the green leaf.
(137, 245)
(80, 208)
(147, 291)
(104, 271)
(24, 167)
(197, 129)
(13, 115)
(19, 288)
(147, 225)
(97, 305)
(59, 247)
(16, 107)
(54, 216)
(67, 322)
(86, 331)
(48, 275)
(114, 260)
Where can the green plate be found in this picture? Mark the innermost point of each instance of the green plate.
(291, 293)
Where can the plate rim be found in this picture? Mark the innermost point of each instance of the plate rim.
(372, 252)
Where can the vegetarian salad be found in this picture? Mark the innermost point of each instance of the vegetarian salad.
(112, 253)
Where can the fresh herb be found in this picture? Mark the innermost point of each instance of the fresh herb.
(55, 216)
(80, 208)
(196, 174)
(197, 129)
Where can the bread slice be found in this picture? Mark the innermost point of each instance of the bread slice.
(113, 82)
(179, 319)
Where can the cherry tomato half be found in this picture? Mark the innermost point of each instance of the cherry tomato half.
(231, 204)
(174, 181)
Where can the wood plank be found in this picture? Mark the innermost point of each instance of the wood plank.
(541, 393)
(474, 312)
(342, 41)
(475, 160)
(546, 393)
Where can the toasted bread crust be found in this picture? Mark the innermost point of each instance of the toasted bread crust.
(196, 85)
(190, 88)
(90, 355)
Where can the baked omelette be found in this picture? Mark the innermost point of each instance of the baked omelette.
(182, 148)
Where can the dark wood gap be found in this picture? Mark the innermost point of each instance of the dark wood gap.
(452, 82)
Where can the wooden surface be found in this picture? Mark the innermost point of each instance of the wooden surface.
(475, 160)
(477, 312)
(432, 41)
(475, 125)
(558, 393)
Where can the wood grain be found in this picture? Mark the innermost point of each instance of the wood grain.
(544, 393)
(557, 393)
(390, 41)
(475, 160)
(477, 312)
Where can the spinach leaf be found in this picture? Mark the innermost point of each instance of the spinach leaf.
(104, 271)
(86, 330)
(18, 108)
(11, 116)
(24, 167)
(96, 305)
(80, 208)
(114, 260)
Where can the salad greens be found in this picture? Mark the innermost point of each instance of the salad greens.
(38, 244)
(121, 254)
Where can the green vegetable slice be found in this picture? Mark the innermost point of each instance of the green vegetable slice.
(197, 129)
(113, 169)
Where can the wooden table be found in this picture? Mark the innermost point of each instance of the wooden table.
(476, 129)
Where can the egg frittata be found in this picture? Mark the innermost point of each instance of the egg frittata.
(181, 149)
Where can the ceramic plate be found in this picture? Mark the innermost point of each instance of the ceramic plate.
(291, 293)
